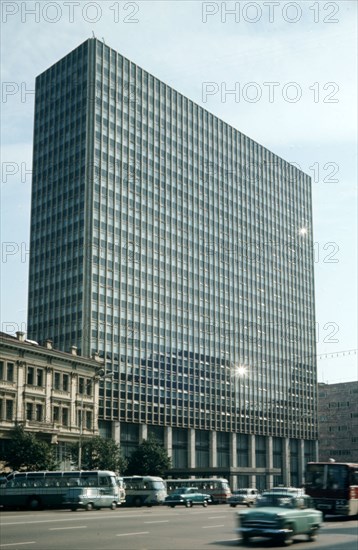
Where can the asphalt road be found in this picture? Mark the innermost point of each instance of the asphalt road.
(158, 528)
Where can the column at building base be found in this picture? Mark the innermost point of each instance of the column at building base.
(143, 432)
(168, 441)
(252, 460)
(213, 450)
(286, 463)
(233, 460)
(301, 462)
(116, 432)
(269, 461)
(191, 448)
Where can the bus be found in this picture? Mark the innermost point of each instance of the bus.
(36, 490)
(217, 488)
(144, 490)
(333, 487)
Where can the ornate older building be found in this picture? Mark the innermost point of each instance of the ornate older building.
(182, 251)
(49, 392)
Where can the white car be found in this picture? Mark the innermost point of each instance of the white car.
(243, 496)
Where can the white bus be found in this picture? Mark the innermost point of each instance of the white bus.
(37, 490)
(217, 488)
(144, 490)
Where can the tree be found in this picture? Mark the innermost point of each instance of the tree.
(150, 458)
(99, 453)
(26, 452)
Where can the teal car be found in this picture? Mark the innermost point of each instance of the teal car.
(279, 517)
(187, 496)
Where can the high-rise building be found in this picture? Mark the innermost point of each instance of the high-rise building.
(182, 251)
(338, 421)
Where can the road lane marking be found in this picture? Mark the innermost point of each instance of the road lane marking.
(62, 528)
(158, 521)
(129, 534)
(216, 517)
(93, 516)
(41, 521)
(17, 543)
(211, 526)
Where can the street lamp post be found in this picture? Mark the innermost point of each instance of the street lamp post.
(98, 376)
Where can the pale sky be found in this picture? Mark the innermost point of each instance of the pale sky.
(293, 66)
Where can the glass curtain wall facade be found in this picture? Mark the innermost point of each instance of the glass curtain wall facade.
(178, 248)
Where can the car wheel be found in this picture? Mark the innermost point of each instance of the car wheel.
(34, 503)
(113, 505)
(249, 504)
(89, 506)
(188, 504)
(172, 505)
(233, 505)
(286, 539)
(205, 503)
(73, 509)
(137, 502)
(312, 535)
(245, 538)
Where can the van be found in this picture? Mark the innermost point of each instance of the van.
(91, 498)
(243, 496)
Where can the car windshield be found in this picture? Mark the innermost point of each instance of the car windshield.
(158, 485)
(327, 476)
(276, 500)
(179, 491)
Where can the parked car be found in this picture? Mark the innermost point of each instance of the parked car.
(279, 516)
(187, 496)
(91, 497)
(243, 496)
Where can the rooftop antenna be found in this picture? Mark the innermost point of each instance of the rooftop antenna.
(103, 41)
(93, 35)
